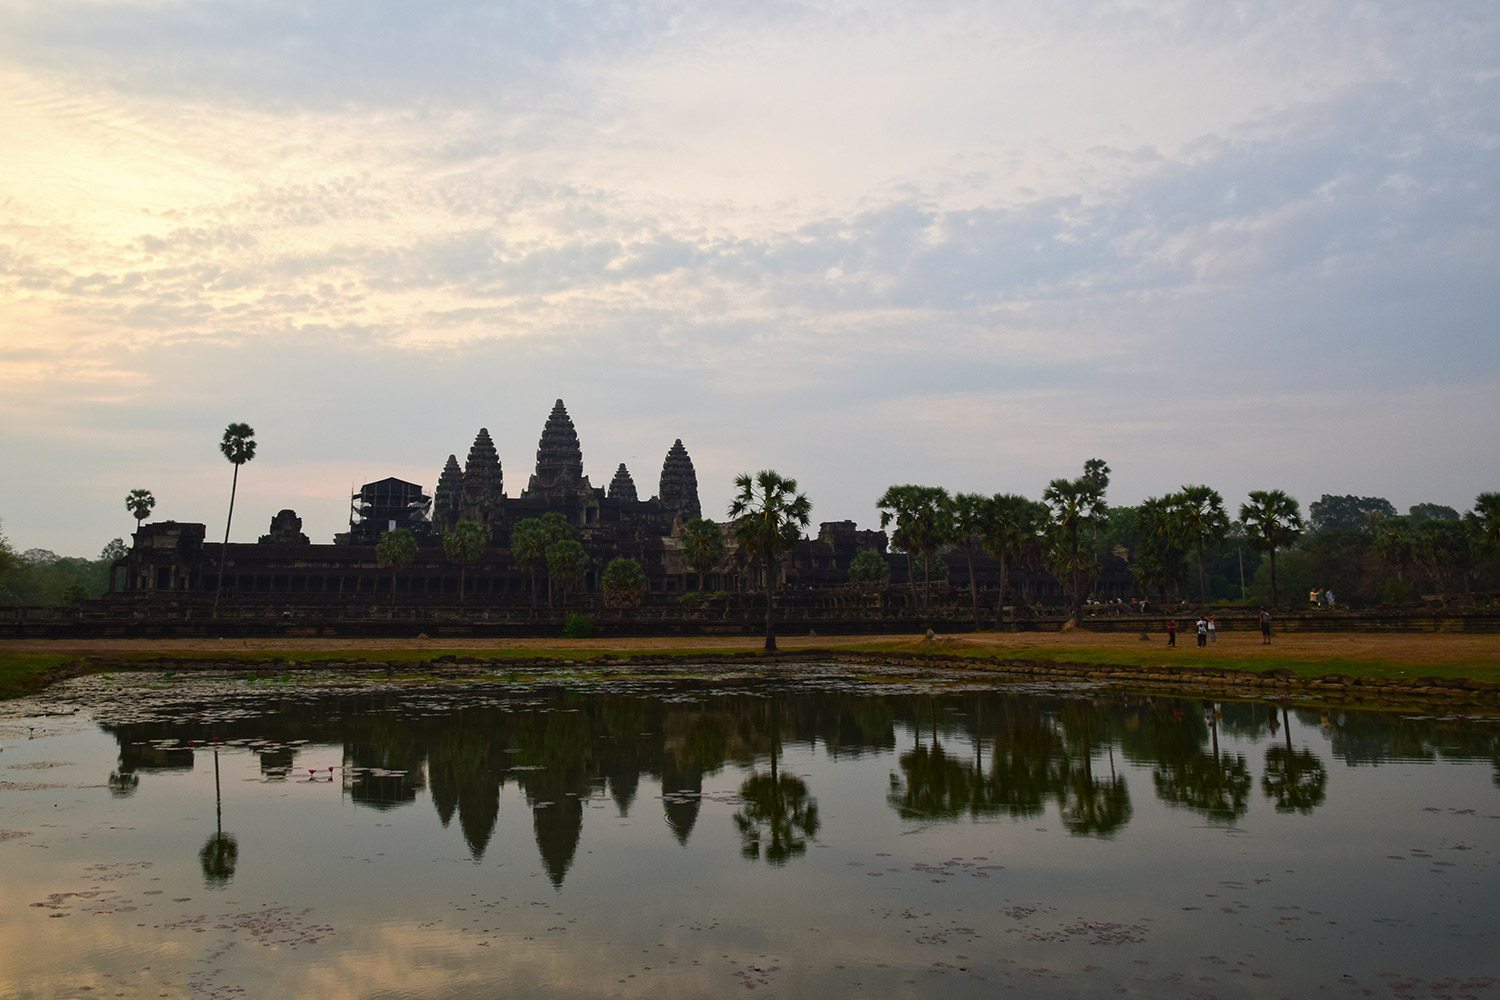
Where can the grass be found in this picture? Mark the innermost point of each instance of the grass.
(26, 665)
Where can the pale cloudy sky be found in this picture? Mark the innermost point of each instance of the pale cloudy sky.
(969, 244)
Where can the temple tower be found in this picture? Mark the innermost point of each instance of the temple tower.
(679, 483)
(448, 499)
(484, 482)
(622, 487)
(559, 459)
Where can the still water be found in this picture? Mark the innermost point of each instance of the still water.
(807, 835)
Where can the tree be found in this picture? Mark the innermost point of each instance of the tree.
(624, 583)
(1272, 521)
(1347, 512)
(567, 563)
(528, 547)
(702, 546)
(238, 447)
(1486, 517)
(1077, 512)
(924, 520)
(769, 515)
(1010, 526)
(869, 569)
(1419, 512)
(968, 520)
(1157, 560)
(463, 544)
(1199, 512)
(396, 550)
(140, 503)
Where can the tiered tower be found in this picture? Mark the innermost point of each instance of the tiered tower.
(559, 459)
(622, 487)
(679, 483)
(447, 500)
(484, 482)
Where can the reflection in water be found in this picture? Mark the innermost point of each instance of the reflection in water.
(221, 853)
(975, 755)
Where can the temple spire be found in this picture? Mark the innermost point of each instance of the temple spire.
(679, 483)
(622, 487)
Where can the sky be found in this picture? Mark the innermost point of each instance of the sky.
(1253, 245)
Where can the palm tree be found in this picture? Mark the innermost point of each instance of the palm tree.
(1077, 509)
(1486, 516)
(140, 503)
(567, 562)
(396, 550)
(1157, 562)
(968, 520)
(464, 544)
(769, 515)
(702, 546)
(238, 446)
(1272, 521)
(1199, 511)
(1010, 527)
(924, 520)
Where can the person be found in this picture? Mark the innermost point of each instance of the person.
(1265, 627)
(1171, 631)
(1202, 632)
(1315, 597)
(1213, 630)
(1328, 597)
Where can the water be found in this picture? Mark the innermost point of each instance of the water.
(811, 835)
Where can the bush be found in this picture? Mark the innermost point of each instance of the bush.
(577, 626)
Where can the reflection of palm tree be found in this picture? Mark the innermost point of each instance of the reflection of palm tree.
(122, 784)
(1296, 779)
(1217, 785)
(778, 810)
(221, 853)
(1092, 806)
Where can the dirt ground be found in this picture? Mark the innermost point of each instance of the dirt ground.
(1427, 649)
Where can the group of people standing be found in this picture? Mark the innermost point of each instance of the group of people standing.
(1208, 629)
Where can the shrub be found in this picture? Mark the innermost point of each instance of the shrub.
(577, 626)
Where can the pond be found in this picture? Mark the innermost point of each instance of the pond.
(807, 834)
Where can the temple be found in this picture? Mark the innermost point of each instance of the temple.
(174, 568)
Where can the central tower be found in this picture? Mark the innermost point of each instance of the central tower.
(559, 459)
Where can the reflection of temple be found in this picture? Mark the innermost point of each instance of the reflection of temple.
(994, 755)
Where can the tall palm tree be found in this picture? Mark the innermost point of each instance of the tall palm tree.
(1199, 511)
(968, 521)
(1486, 515)
(238, 447)
(1157, 563)
(1010, 526)
(396, 550)
(140, 503)
(769, 515)
(702, 546)
(464, 544)
(1077, 511)
(1272, 521)
(924, 521)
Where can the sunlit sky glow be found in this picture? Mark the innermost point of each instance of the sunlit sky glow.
(1253, 245)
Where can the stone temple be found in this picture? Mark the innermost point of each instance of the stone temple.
(177, 558)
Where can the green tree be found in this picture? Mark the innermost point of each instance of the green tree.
(238, 447)
(1157, 560)
(1199, 512)
(769, 515)
(1347, 512)
(140, 503)
(702, 546)
(396, 550)
(1272, 522)
(567, 563)
(463, 544)
(924, 521)
(1077, 516)
(869, 569)
(968, 521)
(1419, 512)
(528, 547)
(1486, 518)
(624, 583)
(1011, 526)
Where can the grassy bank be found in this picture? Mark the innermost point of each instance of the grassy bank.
(26, 666)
